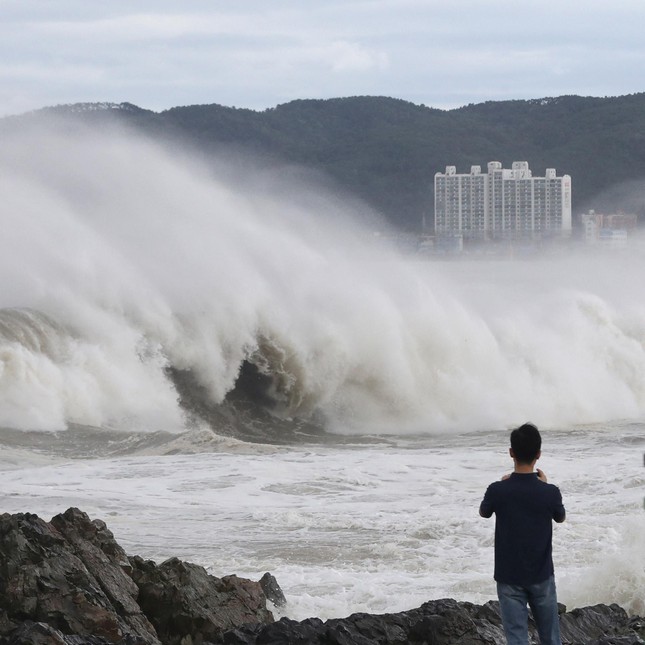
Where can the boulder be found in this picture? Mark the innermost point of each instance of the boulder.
(181, 599)
(56, 573)
(272, 590)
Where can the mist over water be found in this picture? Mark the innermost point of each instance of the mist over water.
(120, 260)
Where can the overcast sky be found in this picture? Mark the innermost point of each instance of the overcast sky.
(259, 53)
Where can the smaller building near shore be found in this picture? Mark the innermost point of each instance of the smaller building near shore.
(611, 230)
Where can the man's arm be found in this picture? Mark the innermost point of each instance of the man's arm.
(484, 512)
(559, 513)
(486, 507)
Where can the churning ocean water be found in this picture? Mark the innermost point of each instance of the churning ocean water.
(235, 372)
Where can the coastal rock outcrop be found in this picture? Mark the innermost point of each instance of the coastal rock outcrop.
(441, 622)
(181, 600)
(68, 574)
(68, 582)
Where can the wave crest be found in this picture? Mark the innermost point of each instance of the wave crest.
(141, 290)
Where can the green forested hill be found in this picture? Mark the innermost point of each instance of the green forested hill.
(386, 150)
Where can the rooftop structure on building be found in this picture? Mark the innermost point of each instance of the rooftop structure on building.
(502, 203)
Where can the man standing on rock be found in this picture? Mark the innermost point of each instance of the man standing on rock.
(525, 506)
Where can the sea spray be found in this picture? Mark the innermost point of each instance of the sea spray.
(146, 261)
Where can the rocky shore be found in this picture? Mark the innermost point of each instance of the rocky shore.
(68, 582)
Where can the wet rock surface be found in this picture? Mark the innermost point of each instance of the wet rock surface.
(68, 582)
(442, 622)
(182, 600)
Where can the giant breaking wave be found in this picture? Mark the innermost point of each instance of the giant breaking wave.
(144, 290)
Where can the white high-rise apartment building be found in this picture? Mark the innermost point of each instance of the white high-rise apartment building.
(502, 204)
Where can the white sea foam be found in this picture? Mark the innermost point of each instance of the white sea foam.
(373, 527)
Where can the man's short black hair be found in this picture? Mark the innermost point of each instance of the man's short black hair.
(526, 443)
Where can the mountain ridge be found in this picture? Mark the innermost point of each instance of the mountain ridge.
(386, 150)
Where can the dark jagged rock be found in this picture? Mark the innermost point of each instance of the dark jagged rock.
(590, 623)
(182, 600)
(439, 622)
(42, 634)
(272, 590)
(106, 562)
(56, 573)
(68, 582)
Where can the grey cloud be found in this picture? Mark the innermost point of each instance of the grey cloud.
(257, 54)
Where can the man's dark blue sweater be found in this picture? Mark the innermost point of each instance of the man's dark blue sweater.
(524, 507)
